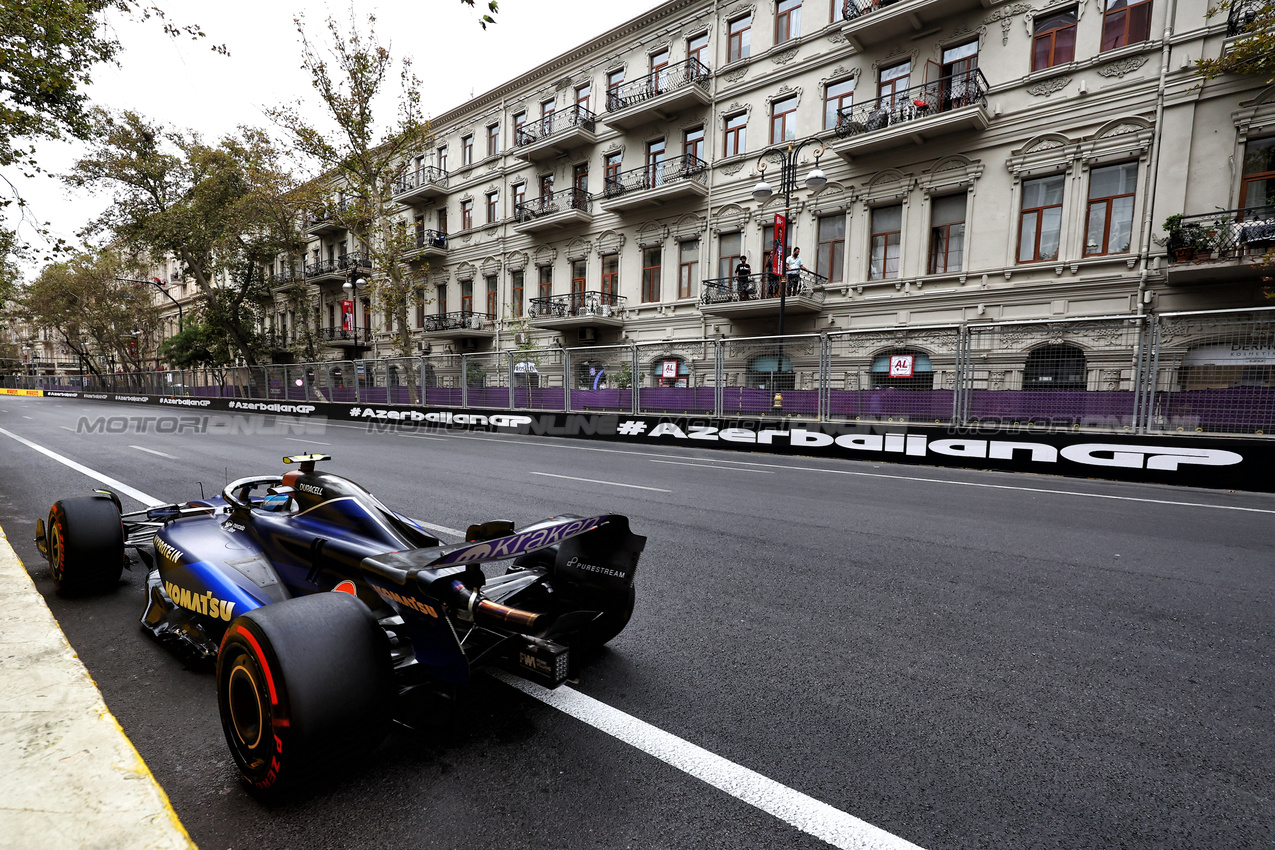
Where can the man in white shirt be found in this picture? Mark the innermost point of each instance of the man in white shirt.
(794, 266)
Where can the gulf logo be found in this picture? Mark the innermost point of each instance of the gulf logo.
(346, 586)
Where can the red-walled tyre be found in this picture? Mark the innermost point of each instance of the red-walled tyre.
(86, 545)
(303, 685)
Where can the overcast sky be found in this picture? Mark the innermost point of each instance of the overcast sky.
(184, 84)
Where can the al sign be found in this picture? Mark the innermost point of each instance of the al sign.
(901, 365)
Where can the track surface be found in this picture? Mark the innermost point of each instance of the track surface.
(962, 659)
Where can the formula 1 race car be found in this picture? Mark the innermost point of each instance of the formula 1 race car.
(307, 676)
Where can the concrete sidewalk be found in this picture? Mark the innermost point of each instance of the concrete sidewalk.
(69, 777)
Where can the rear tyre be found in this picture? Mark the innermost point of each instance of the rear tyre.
(302, 686)
(86, 545)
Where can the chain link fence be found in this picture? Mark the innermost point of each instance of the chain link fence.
(1203, 372)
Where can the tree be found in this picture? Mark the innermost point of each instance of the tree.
(1254, 53)
(224, 212)
(360, 158)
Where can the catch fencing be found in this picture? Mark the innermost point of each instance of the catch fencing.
(1203, 372)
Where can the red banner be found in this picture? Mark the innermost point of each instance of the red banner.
(347, 315)
(781, 245)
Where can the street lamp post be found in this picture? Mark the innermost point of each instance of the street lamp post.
(787, 157)
(352, 286)
(162, 286)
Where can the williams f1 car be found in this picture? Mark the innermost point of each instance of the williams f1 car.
(321, 606)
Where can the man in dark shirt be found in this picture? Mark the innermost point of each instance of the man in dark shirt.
(742, 272)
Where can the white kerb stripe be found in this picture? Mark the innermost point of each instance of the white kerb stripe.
(793, 807)
(117, 486)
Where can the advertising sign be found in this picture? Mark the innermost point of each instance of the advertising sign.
(347, 315)
(901, 365)
(781, 245)
(668, 369)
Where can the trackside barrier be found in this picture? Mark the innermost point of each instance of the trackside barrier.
(1201, 373)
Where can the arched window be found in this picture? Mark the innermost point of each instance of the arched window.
(1055, 367)
(770, 372)
(902, 369)
(670, 372)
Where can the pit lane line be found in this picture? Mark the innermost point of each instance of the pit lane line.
(799, 810)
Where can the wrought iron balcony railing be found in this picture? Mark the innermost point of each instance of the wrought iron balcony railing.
(655, 176)
(354, 337)
(576, 304)
(760, 286)
(462, 320)
(915, 103)
(573, 116)
(430, 239)
(1243, 15)
(342, 264)
(692, 72)
(427, 175)
(1226, 235)
(327, 215)
(554, 202)
(852, 9)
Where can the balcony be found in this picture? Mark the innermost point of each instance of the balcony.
(327, 221)
(657, 184)
(553, 211)
(577, 310)
(324, 271)
(465, 324)
(1220, 246)
(425, 182)
(948, 105)
(659, 95)
(874, 22)
(758, 295)
(1243, 15)
(556, 134)
(341, 338)
(428, 243)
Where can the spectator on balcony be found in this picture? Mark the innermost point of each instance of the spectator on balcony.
(794, 266)
(742, 272)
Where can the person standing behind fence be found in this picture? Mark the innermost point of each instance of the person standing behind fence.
(742, 272)
(794, 266)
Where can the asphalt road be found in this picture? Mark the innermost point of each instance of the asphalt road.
(959, 658)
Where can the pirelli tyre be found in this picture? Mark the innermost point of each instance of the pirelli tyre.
(85, 544)
(302, 686)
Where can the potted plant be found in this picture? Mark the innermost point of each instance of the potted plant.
(1181, 239)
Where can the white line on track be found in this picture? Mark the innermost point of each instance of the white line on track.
(608, 483)
(423, 437)
(67, 428)
(299, 440)
(712, 466)
(789, 805)
(118, 486)
(154, 452)
(441, 529)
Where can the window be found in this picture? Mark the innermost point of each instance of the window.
(894, 80)
(959, 64)
(947, 234)
(887, 223)
(659, 71)
(519, 195)
(1125, 22)
(546, 283)
(1055, 367)
(546, 112)
(693, 145)
(466, 151)
(696, 45)
(738, 38)
(651, 274)
(787, 20)
(442, 159)
(836, 96)
(730, 246)
(1111, 192)
(1040, 222)
(611, 168)
(577, 277)
(520, 119)
(1054, 40)
(610, 274)
(1258, 187)
(442, 221)
(583, 94)
(493, 140)
(493, 300)
(580, 178)
(442, 298)
(783, 120)
(466, 214)
(467, 296)
(546, 185)
(736, 130)
(493, 204)
(688, 268)
(655, 163)
(615, 79)
(419, 297)
(831, 253)
(516, 286)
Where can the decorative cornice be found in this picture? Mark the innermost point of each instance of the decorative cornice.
(1124, 66)
(1049, 87)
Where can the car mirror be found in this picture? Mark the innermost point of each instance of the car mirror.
(489, 530)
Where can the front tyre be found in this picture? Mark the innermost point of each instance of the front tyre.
(302, 685)
(86, 545)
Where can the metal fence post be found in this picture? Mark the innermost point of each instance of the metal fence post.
(719, 377)
(637, 379)
(464, 380)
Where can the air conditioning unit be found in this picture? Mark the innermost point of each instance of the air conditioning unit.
(588, 335)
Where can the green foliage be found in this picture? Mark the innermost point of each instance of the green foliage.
(1253, 51)
(198, 345)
